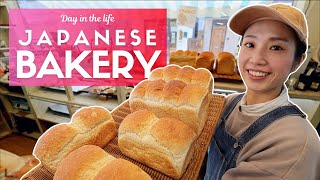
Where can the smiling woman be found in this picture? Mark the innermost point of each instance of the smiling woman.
(261, 134)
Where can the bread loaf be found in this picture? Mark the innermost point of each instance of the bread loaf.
(225, 63)
(92, 162)
(186, 74)
(90, 125)
(183, 58)
(194, 59)
(163, 144)
(188, 103)
(205, 60)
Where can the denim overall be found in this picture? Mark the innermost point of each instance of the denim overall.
(224, 148)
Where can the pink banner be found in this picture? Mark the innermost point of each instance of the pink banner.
(64, 47)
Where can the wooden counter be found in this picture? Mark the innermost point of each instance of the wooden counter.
(240, 87)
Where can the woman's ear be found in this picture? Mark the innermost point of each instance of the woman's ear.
(297, 64)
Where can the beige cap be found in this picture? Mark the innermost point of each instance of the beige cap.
(287, 14)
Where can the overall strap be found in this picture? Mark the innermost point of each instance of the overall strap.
(230, 107)
(267, 119)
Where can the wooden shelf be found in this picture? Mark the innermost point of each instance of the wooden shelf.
(41, 110)
(305, 95)
(53, 118)
(30, 116)
(34, 135)
(89, 99)
(23, 114)
(293, 94)
(4, 133)
(4, 27)
(4, 49)
(8, 93)
(53, 96)
(4, 126)
(4, 81)
(240, 87)
(4, 58)
(41, 98)
(4, 35)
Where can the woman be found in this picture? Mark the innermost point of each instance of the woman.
(261, 134)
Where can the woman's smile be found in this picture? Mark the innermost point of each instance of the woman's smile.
(257, 74)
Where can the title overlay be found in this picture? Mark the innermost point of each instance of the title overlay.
(69, 47)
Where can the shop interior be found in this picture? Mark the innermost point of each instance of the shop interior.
(26, 112)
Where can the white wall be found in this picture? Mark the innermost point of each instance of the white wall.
(313, 18)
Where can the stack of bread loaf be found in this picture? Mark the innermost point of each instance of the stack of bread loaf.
(180, 93)
(225, 63)
(91, 125)
(169, 111)
(92, 162)
(193, 59)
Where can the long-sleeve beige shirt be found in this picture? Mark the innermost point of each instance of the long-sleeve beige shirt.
(287, 149)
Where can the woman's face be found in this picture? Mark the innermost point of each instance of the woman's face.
(266, 56)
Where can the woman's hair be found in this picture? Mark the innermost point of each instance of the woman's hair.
(301, 48)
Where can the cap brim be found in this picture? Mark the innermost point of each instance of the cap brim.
(245, 17)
